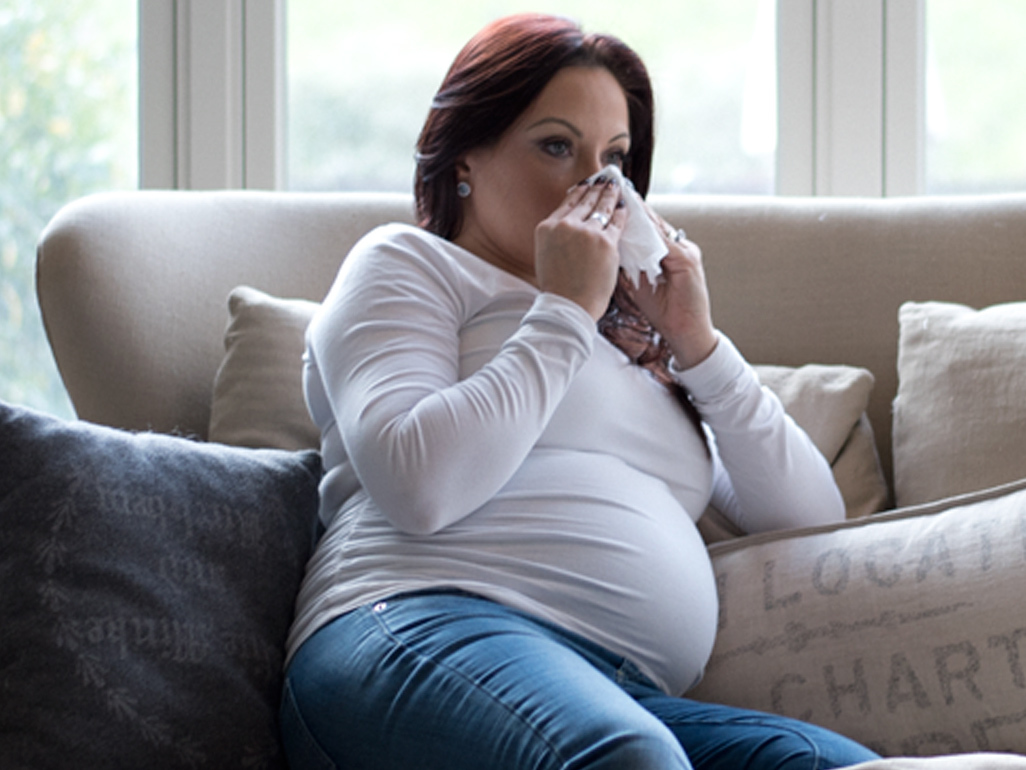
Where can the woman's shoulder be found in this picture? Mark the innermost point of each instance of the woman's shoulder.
(399, 238)
(400, 232)
(398, 242)
(398, 245)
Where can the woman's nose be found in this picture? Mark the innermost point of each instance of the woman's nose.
(591, 167)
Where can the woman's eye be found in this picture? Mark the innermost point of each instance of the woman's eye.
(556, 147)
(616, 157)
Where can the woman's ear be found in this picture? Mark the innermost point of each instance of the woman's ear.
(463, 186)
(462, 170)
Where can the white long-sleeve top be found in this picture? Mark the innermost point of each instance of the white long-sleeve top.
(480, 434)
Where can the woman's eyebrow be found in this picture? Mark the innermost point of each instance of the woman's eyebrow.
(573, 129)
(570, 126)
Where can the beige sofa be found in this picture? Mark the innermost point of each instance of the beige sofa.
(905, 629)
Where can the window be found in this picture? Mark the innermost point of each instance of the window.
(67, 128)
(794, 97)
(975, 113)
(876, 97)
(361, 77)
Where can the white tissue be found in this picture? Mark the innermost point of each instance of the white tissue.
(641, 246)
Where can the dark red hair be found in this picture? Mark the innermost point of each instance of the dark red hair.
(496, 76)
(492, 81)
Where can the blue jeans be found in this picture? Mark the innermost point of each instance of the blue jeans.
(448, 680)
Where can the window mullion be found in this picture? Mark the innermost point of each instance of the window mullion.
(264, 93)
(904, 159)
(192, 106)
(796, 91)
(158, 157)
(849, 97)
(210, 139)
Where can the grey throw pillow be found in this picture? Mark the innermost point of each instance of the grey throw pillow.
(146, 588)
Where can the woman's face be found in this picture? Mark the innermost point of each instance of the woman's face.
(578, 124)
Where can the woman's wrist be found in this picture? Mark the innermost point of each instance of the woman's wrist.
(693, 350)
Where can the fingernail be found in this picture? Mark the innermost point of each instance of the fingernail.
(621, 203)
(600, 179)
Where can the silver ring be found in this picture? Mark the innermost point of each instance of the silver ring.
(602, 218)
(679, 236)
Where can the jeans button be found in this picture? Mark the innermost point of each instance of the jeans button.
(380, 606)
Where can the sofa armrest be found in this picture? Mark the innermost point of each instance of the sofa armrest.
(133, 288)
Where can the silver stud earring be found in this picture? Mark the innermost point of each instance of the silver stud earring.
(463, 190)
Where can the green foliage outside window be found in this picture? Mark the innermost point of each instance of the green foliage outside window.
(67, 129)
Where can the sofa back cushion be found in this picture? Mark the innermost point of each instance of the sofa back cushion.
(132, 286)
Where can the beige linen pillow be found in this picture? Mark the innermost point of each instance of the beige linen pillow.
(829, 403)
(960, 411)
(905, 630)
(258, 390)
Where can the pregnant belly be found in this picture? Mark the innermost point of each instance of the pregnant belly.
(602, 549)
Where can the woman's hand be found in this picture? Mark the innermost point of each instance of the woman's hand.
(576, 252)
(678, 304)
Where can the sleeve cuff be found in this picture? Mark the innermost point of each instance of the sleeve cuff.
(723, 370)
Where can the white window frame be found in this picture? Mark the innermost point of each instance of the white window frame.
(851, 84)
(851, 97)
(212, 86)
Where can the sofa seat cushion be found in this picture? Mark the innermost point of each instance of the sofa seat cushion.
(901, 630)
(148, 586)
